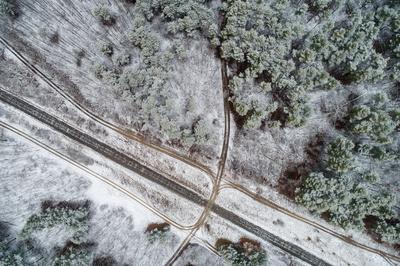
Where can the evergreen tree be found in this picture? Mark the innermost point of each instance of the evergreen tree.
(243, 254)
(340, 157)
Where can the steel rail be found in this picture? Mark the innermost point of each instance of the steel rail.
(125, 132)
(133, 165)
(94, 174)
(221, 167)
(273, 205)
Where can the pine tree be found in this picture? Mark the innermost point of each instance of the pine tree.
(340, 155)
(7, 8)
(243, 254)
(76, 219)
(388, 232)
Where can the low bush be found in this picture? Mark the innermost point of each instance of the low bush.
(11, 256)
(377, 121)
(107, 49)
(144, 38)
(158, 233)
(243, 254)
(371, 177)
(184, 16)
(74, 218)
(73, 255)
(7, 8)
(123, 60)
(346, 203)
(104, 15)
(388, 232)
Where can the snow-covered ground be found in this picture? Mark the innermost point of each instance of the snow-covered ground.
(195, 82)
(197, 255)
(218, 228)
(264, 157)
(31, 175)
(178, 209)
(269, 162)
(323, 245)
(17, 79)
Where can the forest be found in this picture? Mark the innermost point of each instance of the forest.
(279, 53)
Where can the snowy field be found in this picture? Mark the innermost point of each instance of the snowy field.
(323, 245)
(17, 79)
(271, 161)
(197, 255)
(194, 83)
(264, 157)
(218, 228)
(176, 208)
(65, 40)
(31, 175)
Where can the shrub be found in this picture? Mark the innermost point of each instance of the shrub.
(73, 255)
(319, 194)
(143, 37)
(201, 132)
(375, 122)
(158, 234)
(7, 7)
(381, 154)
(55, 38)
(388, 232)
(371, 177)
(243, 254)
(395, 114)
(340, 157)
(297, 113)
(251, 101)
(346, 203)
(107, 49)
(180, 50)
(123, 60)
(186, 16)
(80, 54)
(104, 261)
(76, 219)
(100, 70)
(359, 112)
(104, 15)
(319, 5)
(10, 256)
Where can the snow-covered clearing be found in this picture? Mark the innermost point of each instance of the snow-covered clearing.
(195, 83)
(270, 162)
(177, 208)
(264, 157)
(31, 175)
(218, 228)
(17, 79)
(197, 255)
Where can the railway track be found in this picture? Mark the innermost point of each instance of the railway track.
(101, 148)
(209, 204)
(273, 205)
(125, 132)
(146, 172)
(95, 175)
